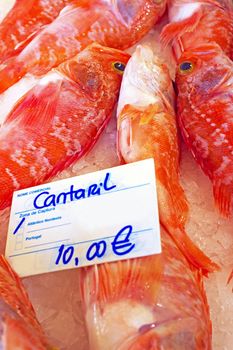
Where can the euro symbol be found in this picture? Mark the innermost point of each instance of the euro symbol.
(122, 245)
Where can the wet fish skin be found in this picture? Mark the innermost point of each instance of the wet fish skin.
(19, 327)
(59, 119)
(24, 21)
(194, 23)
(147, 129)
(155, 303)
(204, 82)
(118, 24)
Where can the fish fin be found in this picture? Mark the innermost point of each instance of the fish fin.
(18, 335)
(223, 197)
(128, 114)
(175, 30)
(192, 253)
(134, 278)
(167, 175)
(36, 109)
(179, 201)
(14, 294)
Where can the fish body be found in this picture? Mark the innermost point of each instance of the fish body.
(19, 327)
(154, 303)
(59, 119)
(147, 129)
(193, 23)
(24, 21)
(204, 82)
(118, 24)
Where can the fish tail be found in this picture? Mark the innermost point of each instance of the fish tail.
(18, 335)
(180, 204)
(192, 253)
(14, 294)
(173, 31)
(176, 198)
(206, 310)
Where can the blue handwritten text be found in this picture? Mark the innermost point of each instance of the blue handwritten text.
(120, 245)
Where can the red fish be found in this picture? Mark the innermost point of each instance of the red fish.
(59, 119)
(147, 129)
(196, 22)
(117, 24)
(19, 327)
(152, 303)
(204, 82)
(24, 21)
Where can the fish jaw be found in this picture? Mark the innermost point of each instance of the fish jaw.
(146, 91)
(146, 80)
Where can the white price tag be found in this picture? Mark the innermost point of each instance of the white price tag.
(99, 217)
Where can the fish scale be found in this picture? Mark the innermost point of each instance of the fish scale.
(26, 18)
(199, 22)
(147, 129)
(75, 28)
(209, 134)
(58, 120)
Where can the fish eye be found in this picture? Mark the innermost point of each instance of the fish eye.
(186, 67)
(119, 67)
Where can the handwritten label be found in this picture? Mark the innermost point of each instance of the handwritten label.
(99, 217)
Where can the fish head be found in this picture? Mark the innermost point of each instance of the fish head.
(97, 70)
(146, 95)
(201, 71)
(145, 80)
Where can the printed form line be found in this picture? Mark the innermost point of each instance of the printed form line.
(47, 228)
(121, 189)
(92, 240)
(38, 245)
